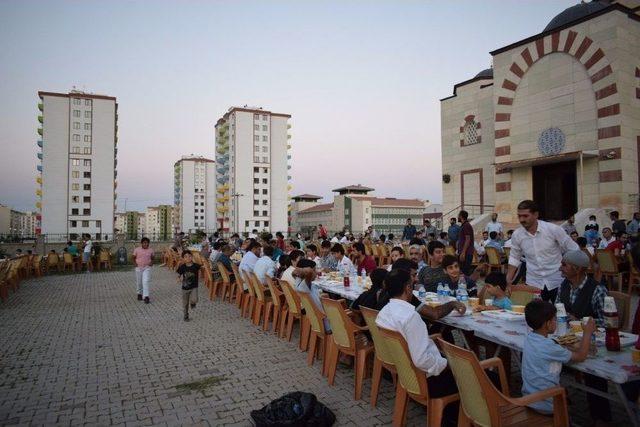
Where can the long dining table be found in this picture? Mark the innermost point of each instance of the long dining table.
(616, 367)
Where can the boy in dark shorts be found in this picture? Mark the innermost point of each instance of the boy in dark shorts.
(188, 274)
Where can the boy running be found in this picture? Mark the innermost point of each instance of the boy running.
(188, 273)
(143, 257)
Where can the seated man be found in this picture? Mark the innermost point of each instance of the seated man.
(250, 257)
(265, 266)
(416, 255)
(327, 261)
(344, 264)
(432, 273)
(494, 242)
(365, 262)
(396, 253)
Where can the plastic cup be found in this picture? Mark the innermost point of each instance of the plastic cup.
(488, 302)
(474, 302)
(517, 308)
(635, 355)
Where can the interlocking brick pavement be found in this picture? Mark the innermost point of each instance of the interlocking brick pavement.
(80, 349)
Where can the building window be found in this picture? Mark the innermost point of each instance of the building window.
(256, 117)
(264, 180)
(87, 114)
(87, 150)
(264, 128)
(75, 174)
(470, 132)
(85, 224)
(87, 175)
(265, 170)
(256, 137)
(265, 149)
(86, 187)
(257, 223)
(98, 223)
(76, 101)
(256, 180)
(256, 127)
(76, 137)
(265, 213)
(74, 211)
(76, 125)
(265, 117)
(75, 199)
(87, 102)
(265, 138)
(246, 223)
(265, 160)
(74, 224)
(87, 162)
(256, 159)
(255, 202)
(256, 191)
(86, 211)
(256, 213)
(87, 138)
(87, 126)
(264, 191)
(256, 149)
(75, 150)
(266, 223)
(86, 199)
(76, 113)
(75, 186)
(256, 170)
(264, 202)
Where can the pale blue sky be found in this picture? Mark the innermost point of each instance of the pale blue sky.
(362, 81)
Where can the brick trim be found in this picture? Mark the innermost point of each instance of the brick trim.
(597, 56)
(503, 186)
(606, 91)
(503, 117)
(501, 133)
(503, 100)
(604, 72)
(571, 37)
(609, 132)
(609, 110)
(515, 69)
(555, 41)
(586, 42)
(509, 85)
(610, 154)
(503, 151)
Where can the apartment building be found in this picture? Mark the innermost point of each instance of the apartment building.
(194, 194)
(252, 170)
(131, 224)
(159, 222)
(78, 170)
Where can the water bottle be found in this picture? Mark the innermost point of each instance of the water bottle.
(461, 292)
(363, 277)
(561, 315)
(422, 292)
(446, 292)
(441, 292)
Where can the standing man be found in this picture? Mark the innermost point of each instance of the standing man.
(569, 226)
(322, 232)
(429, 229)
(618, 225)
(409, 230)
(86, 252)
(542, 244)
(634, 226)
(494, 225)
(465, 243)
(453, 232)
(143, 258)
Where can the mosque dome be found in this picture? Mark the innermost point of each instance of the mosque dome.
(574, 13)
(485, 73)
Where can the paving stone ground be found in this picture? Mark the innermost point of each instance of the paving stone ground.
(80, 349)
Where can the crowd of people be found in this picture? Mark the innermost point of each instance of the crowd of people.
(557, 263)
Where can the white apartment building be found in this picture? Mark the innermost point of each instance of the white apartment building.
(28, 224)
(159, 222)
(252, 170)
(77, 179)
(132, 224)
(194, 194)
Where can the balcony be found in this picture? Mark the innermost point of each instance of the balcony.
(288, 156)
(288, 136)
(289, 187)
(39, 142)
(40, 118)
(39, 167)
(288, 126)
(39, 205)
(288, 146)
(39, 180)
(288, 177)
(40, 131)
(39, 192)
(288, 167)
(40, 106)
(40, 155)
(115, 184)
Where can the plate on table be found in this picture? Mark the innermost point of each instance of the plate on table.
(626, 339)
(503, 315)
(455, 313)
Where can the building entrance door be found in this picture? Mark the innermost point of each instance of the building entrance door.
(555, 190)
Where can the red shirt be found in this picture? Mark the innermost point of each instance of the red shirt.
(280, 243)
(322, 232)
(467, 230)
(368, 264)
(616, 244)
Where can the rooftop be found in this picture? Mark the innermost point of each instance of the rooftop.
(194, 159)
(318, 208)
(76, 94)
(248, 109)
(353, 189)
(574, 13)
(306, 197)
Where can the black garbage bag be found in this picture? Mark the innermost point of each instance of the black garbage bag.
(297, 409)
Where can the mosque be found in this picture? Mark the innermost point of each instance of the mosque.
(556, 119)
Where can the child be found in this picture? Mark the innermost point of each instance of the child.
(494, 285)
(143, 257)
(542, 358)
(451, 267)
(188, 273)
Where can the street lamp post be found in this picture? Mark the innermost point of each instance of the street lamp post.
(235, 210)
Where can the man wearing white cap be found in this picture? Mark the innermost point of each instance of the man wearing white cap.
(582, 296)
(542, 244)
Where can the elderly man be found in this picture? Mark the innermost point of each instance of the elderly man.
(542, 244)
(582, 296)
(494, 225)
(416, 255)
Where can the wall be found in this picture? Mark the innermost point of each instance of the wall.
(278, 180)
(103, 166)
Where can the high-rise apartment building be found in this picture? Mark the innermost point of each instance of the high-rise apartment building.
(194, 194)
(77, 180)
(131, 224)
(159, 222)
(252, 170)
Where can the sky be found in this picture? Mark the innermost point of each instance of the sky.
(361, 79)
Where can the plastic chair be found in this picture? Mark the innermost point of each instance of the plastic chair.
(261, 300)
(53, 261)
(36, 265)
(484, 405)
(634, 274)
(294, 313)
(224, 283)
(104, 259)
(522, 294)
(276, 309)
(383, 357)
(68, 262)
(623, 304)
(609, 267)
(412, 383)
(346, 338)
(248, 305)
(317, 331)
(493, 258)
(242, 294)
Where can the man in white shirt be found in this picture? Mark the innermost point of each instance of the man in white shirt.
(494, 225)
(607, 238)
(400, 316)
(542, 244)
(250, 257)
(86, 252)
(265, 265)
(344, 239)
(345, 266)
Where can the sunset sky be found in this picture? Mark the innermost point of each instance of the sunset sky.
(361, 79)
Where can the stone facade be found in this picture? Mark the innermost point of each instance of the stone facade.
(569, 94)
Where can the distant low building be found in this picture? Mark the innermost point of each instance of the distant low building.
(353, 209)
(159, 222)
